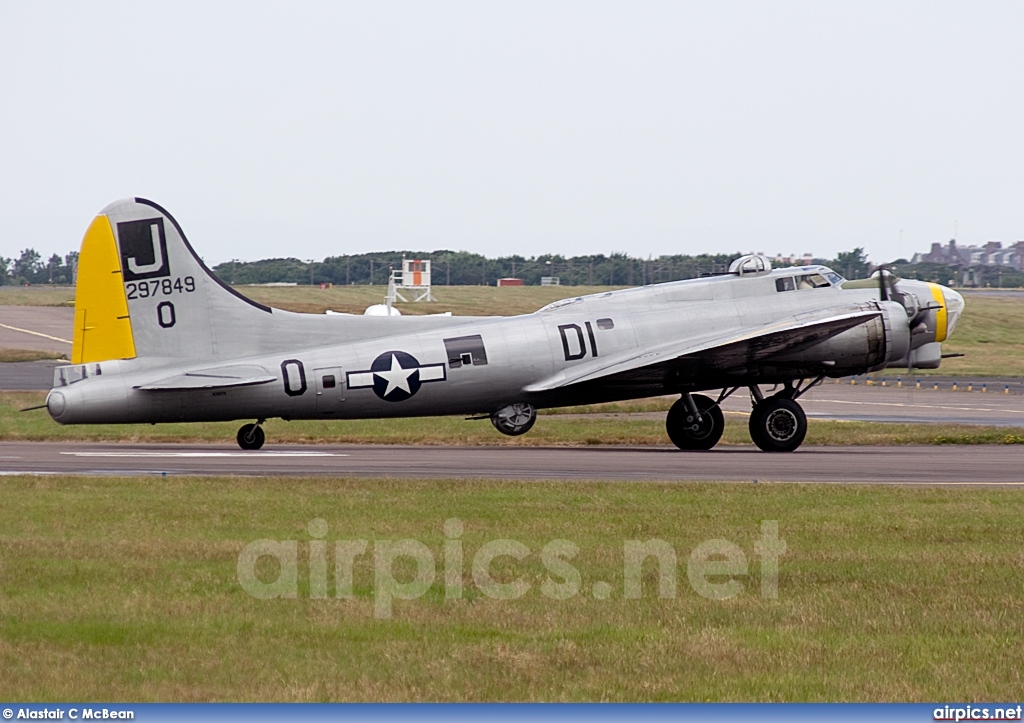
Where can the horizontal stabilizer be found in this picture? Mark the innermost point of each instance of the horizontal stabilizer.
(233, 376)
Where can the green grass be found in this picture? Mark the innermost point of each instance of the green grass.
(37, 296)
(460, 300)
(24, 355)
(126, 589)
(990, 335)
(597, 428)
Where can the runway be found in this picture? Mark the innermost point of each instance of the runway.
(972, 465)
(908, 405)
(42, 328)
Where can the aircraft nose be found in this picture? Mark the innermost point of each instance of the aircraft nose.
(55, 404)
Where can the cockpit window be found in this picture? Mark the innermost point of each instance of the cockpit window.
(785, 284)
(811, 281)
(835, 278)
(62, 376)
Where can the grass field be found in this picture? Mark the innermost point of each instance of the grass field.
(598, 428)
(24, 355)
(460, 300)
(127, 589)
(37, 296)
(990, 334)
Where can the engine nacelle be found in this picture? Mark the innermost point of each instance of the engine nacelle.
(873, 345)
(932, 312)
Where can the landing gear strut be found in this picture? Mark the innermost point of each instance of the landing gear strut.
(251, 436)
(695, 422)
(515, 419)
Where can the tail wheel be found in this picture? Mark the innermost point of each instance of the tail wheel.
(778, 425)
(515, 419)
(250, 436)
(686, 432)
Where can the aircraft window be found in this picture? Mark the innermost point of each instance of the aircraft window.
(605, 324)
(76, 374)
(835, 278)
(811, 281)
(465, 351)
(328, 381)
(785, 284)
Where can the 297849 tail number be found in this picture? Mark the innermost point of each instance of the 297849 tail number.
(160, 287)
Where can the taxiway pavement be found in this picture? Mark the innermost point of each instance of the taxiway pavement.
(907, 404)
(917, 465)
(41, 328)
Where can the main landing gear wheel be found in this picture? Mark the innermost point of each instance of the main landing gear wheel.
(778, 424)
(515, 419)
(686, 432)
(250, 436)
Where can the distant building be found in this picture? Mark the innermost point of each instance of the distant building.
(781, 261)
(990, 254)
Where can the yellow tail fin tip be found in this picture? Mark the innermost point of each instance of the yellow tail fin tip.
(102, 328)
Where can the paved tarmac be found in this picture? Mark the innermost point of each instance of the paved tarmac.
(975, 465)
(42, 328)
(908, 405)
(28, 376)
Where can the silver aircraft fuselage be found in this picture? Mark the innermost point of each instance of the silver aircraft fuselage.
(338, 381)
(159, 338)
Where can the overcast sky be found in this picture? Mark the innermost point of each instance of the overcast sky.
(315, 129)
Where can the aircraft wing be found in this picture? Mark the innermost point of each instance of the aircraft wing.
(227, 376)
(720, 352)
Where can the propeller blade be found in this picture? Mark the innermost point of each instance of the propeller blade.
(883, 289)
(29, 409)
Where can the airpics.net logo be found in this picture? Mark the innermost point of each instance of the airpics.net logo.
(977, 712)
(408, 569)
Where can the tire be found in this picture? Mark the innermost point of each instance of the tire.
(686, 433)
(250, 437)
(778, 425)
(515, 419)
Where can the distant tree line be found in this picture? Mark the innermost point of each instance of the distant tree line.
(30, 268)
(461, 268)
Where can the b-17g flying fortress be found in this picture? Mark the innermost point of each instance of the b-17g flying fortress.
(158, 338)
(664, 459)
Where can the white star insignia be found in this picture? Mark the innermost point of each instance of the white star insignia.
(397, 377)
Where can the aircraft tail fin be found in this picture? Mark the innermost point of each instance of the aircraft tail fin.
(143, 292)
